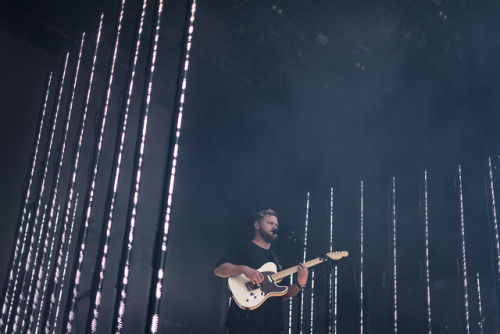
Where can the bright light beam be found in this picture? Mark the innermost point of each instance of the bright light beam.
(71, 186)
(138, 161)
(361, 258)
(61, 289)
(394, 258)
(427, 262)
(89, 200)
(479, 305)
(495, 222)
(306, 226)
(54, 193)
(46, 275)
(48, 153)
(330, 276)
(75, 276)
(24, 223)
(158, 272)
(312, 302)
(464, 259)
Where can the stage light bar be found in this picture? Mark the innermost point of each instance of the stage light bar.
(75, 278)
(49, 323)
(495, 221)
(361, 258)
(24, 224)
(427, 262)
(133, 201)
(306, 225)
(48, 153)
(394, 257)
(464, 259)
(159, 275)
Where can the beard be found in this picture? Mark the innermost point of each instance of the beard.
(268, 236)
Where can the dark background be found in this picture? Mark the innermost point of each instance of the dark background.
(283, 98)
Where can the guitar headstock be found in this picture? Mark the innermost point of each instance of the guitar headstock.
(337, 255)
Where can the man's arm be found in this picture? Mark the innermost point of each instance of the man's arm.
(302, 274)
(229, 270)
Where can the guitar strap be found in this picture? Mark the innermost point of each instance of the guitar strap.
(275, 259)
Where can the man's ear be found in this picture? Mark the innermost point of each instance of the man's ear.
(256, 224)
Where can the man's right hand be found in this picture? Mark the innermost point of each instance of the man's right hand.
(253, 275)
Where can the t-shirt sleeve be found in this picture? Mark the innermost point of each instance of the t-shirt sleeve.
(231, 255)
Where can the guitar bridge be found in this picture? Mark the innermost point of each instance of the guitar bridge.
(250, 286)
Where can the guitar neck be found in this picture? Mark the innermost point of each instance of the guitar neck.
(287, 272)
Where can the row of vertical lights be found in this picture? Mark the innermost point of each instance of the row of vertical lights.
(42, 240)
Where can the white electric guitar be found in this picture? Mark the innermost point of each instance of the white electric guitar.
(249, 296)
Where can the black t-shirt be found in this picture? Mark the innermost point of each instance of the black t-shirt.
(270, 313)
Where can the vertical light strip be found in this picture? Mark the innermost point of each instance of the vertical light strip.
(479, 305)
(464, 259)
(70, 311)
(331, 219)
(59, 166)
(23, 230)
(32, 277)
(73, 287)
(55, 186)
(335, 302)
(361, 258)
(394, 257)
(112, 192)
(306, 225)
(495, 222)
(312, 302)
(46, 274)
(427, 262)
(71, 185)
(49, 323)
(159, 275)
(290, 309)
(134, 193)
(41, 192)
(330, 273)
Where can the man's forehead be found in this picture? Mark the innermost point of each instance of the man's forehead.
(270, 218)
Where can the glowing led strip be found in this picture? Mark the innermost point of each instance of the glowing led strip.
(479, 305)
(158, 278)
(361, 269)
(427, 266)
(330, 280)
(331, 219)
(73, 287)
(23, 232)
(304, 260)
(394, 256)
(46, 274)
(312, 302)
(55, 188)
(40, 195)
(290, 309)
(335, 308)
(49, 323)
(495, 222)
(464, 260)
(122, 295)
(70, 310)
(71, 187)
(32, 277)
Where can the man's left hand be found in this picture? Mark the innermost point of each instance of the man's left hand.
(302, 274)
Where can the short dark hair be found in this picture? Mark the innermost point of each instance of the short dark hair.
(262, 213)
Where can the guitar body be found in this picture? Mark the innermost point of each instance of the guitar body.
(249, 296)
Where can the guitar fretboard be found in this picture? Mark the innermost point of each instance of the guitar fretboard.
(287, 272)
